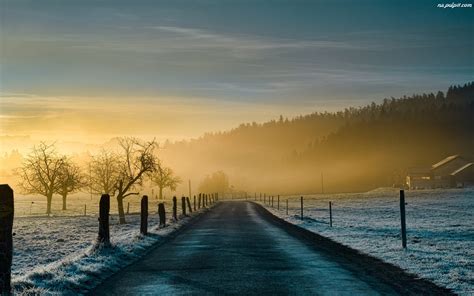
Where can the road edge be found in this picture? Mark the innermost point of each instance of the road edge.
(401, 281)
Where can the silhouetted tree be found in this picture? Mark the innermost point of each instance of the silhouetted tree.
(70, 180)
(40, 172)
(137, 158)
(104, 172)
(164, 178)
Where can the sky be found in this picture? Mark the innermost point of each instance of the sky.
(90, 70)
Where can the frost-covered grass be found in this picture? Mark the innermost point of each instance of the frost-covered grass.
(35, 205)
(59, 255)
(440, 229)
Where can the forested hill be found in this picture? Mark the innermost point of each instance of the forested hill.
(355, 149)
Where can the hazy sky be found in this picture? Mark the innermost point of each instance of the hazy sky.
(79, 69)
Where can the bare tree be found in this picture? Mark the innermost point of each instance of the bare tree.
(104, 172)
(70, 180)
(40, 172)
(137, 160)
(164, 178)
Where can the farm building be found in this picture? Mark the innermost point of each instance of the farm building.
(453, 171)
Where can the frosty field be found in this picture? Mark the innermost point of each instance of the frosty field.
(440, 229)
(58, 254)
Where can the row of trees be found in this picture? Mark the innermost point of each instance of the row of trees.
(118, 173)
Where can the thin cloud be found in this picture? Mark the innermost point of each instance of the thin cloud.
(248, 42)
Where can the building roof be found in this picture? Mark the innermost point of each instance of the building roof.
(444, 161)
(466, 166)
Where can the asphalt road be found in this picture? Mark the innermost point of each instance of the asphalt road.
(234, 250)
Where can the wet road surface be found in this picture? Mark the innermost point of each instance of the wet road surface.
(233, 250)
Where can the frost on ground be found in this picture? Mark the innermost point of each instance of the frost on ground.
(59, 255)
(440, 229)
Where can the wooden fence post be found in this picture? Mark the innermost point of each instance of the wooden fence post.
(183, 205)
(287, 207)
(104, 209)
(194, 203)
(175, 209)
(144, 215)
(272, 201)
(85, 210)
(6, 238)
(199, 201)
(128, 208)
(278, 202)
(162, 214)
(330, 214)
(301, 207)
(189, 205)
(217, 196)
(402, 217)
(265, 198)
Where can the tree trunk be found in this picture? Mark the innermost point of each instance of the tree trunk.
(49, 198)
(161, 193)
(120, 210)
(64, 202)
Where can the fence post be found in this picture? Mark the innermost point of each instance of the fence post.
(144, 216)
(272, 201)
(104, 209)
(189, 205)
(6, 238)
(194, 203)
(217, 196)
(330, 214)
(175, 209)
(199, 201)
(183, 205)
(402, 217)
(85, 210)
(162, 214)
(128, 208)
(301, 207)
(265, 198)
(278, 202)
(287, 207)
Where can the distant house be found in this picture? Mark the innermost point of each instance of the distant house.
(453, 171)
(419, 178)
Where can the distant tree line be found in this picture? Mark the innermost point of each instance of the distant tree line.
(355, 148)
